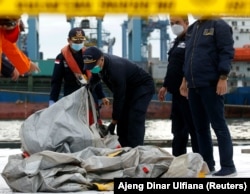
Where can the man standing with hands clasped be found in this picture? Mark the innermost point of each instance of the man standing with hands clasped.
(132, 88)
(209, 52)
(182, 121)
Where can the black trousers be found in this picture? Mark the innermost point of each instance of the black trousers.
(131, 125)
(182, 126)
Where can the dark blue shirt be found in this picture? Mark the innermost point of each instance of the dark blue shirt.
(209, 52)
(123, 77)
(176, 57)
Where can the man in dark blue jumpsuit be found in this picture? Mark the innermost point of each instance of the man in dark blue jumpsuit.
(182, 121)
(133, 89)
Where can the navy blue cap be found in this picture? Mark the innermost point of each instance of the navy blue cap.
(91, 56)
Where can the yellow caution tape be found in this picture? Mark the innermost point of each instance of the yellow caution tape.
(130, 7)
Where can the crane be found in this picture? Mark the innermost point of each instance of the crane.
(135, 33)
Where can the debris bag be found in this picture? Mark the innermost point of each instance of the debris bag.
(65, 153)
(187, 165)
(64, 127)
(95, 168)
(49, 171)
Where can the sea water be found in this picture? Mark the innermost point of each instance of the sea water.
(159, 129)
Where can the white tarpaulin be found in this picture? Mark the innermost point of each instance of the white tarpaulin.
(68, 155)
(63, 172)
(64, 126)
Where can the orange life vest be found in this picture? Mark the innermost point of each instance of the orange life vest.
(10, 49)
(75, 68)
(72, 63)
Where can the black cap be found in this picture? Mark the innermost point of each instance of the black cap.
(77, 34)
(90, 57)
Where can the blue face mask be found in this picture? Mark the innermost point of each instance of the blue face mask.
(96, 69)
(76, 47)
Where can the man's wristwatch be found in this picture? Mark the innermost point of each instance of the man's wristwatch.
(223, 77)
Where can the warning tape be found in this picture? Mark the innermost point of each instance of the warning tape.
(130, 7)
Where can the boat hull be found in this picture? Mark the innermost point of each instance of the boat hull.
(156, 110)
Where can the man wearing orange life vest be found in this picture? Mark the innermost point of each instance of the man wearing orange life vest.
(9, 32)
(8, 70)
(68, 69)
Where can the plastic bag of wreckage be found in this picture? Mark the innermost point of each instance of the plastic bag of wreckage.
(95, 168)
(64, 127)
(66, 155)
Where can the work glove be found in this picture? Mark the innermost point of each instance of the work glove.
(103, 130)
(51, 102)
(111, 128)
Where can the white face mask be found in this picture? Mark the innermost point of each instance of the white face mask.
(77, 46)
(177, 29)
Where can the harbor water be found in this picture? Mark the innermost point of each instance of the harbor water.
(155, 129)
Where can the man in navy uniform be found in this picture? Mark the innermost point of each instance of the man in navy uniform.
(132, 87)
(181, 117)
(68, 71)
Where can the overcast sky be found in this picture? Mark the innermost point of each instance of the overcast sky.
(53, 32)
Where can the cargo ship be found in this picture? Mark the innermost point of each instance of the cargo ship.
(30, 93)
(19, 99)
(19, 105)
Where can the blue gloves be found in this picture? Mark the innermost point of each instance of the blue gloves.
(51, 102)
